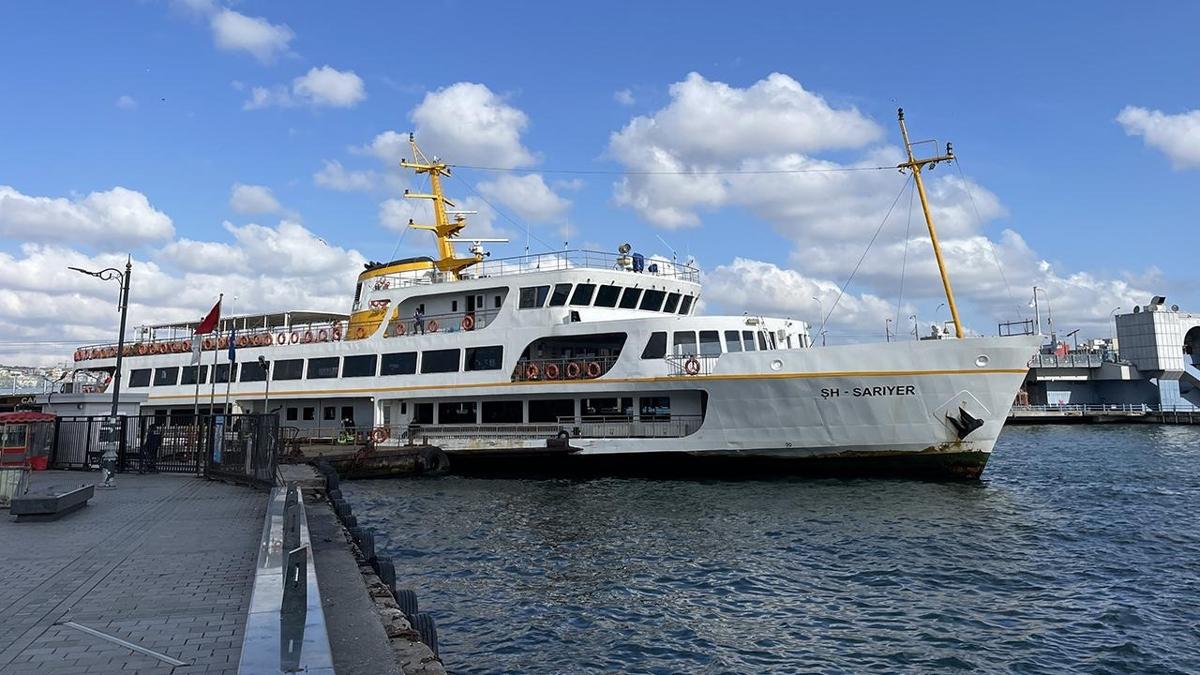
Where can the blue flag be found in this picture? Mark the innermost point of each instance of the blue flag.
(232, 345)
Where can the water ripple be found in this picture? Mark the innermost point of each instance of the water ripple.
(1077, 552)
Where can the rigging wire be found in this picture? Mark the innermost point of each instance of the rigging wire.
(990, 246)
(404, 232)
(904, 259)
(863, 257)
(713, 172)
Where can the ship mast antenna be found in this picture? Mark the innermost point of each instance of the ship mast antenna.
(916, 165)
(445, 228)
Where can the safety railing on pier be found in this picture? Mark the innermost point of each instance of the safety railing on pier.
(1069, 360)
(1097, 408)
(579, 368)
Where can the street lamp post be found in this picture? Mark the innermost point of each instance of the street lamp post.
(266, 368)
(109, 274)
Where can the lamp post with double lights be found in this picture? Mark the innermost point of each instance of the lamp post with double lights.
(122, 278)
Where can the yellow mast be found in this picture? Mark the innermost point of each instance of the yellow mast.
(915, 165)
(443, 227)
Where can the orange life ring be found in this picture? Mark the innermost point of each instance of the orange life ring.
(594, 369)
(264, 340)
(223, 342)
(573, 370)
(112, 351)
(241, 341)
(337, 333)
(208, 343)
(308, 336)
(323, 335)
(78, 355)
(691, 366)
(181, 346)
(360, 332)
(281, 338)
(531, 371)
(295, 337)
(141, 349)
(468, 322)
(433, 326)
(379, 434)
(400, 329)
(552, 371)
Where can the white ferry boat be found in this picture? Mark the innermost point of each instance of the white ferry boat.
(585, 358)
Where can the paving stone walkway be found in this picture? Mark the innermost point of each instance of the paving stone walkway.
(164, 562)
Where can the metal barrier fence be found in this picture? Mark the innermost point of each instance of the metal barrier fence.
(241, 448)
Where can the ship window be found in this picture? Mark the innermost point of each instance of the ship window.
(748, 340)
(398, 363)
(733, 341)
(549, 410)
(289, 369)
(499, 301)
(607, 296)
(221, 374)
(166, 377)
(672, 303)
(656, 346)
(629, 298)
(348, 416)
(685, 342)
(139, 377)
(561, 291)
(252, 371)
(686, 305)
(655, 408)
(292, 414)
(602, 345)
(484, 358)
(320, 369)
(583, 294)
(329, 413)
(362, 365)
(188, 375)
(606, 407)
(762, 342)
(440, 361)
(503, 412)
(422, 413)
(310, 414)
(533, 296)
(461, 412)
(710, 342)
(453, 305)
(653, 300)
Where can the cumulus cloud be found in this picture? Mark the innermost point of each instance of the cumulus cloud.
(624, 97)
(126, 103)
(319, 87)
(253, 199)
(466, 123)
(118, 215)
(528, 196)
(337, 177)
(234, 31)
(1176, 136)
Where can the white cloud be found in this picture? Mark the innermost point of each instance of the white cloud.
(1176, 136)
(624, 97)
(336, 177)
(126, 102)
(528, 196)
(394, 214)
(253, 199)
(466, 123)
(255, 35)
(119, 215)
(389, 146)
(319, 87)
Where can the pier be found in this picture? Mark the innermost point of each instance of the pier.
(1103, 414)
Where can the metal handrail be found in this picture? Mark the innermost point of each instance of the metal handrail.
(541, 371)
(1104, 408)
(447, 322)
(678, 364)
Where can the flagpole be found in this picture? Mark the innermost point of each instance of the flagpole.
(197, 363)
(212, 392)
(228, 380)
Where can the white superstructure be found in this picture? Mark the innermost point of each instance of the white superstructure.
(581, 356)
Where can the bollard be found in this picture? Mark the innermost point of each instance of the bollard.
(367, 546)
(406, 598)
(386, 570)
(428, 631)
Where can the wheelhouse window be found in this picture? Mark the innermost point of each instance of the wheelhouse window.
(323, 368)
(559, 298)
(398, 363)
(533, 297)
(582, 296)
(733, 341)
(139, 377)
(166, 377)
(685, 342)
(252, 371)
(288, 369)
(656, 346)
(607, 296)
(484, 358)
(440, 361)
(710, 343)
(503, 412)
(748, 340)
(672, 303)
(653, 300)
(188, 375)
(762, 342)
(362, 365)
(460, 412)
(549, 410)
(629, 299)
(686, 305)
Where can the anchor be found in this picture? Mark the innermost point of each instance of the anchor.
(965, 423)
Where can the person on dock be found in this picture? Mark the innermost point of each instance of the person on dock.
(148, 459)
(108, 466)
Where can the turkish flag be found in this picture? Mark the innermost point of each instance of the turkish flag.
(210, 322)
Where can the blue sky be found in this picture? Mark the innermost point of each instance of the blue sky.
(1029, 95)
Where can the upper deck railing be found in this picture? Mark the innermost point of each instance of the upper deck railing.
(544, 262)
